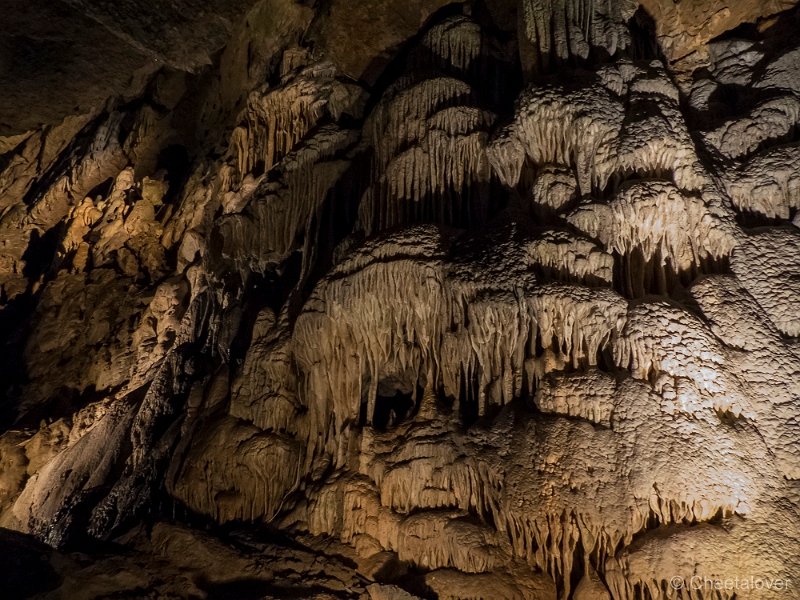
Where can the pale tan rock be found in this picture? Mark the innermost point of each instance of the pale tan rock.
(514, 317)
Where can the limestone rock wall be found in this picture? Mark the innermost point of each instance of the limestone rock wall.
(432, 300)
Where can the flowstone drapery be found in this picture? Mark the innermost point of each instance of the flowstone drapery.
(512, 313)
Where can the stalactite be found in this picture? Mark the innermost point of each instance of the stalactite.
(571, 258)
(466, 333)
(571, 22)
(544, 353)
(265, 231)
(400, 116)
(575, 126)
(659, 220)
(456, 42)
(275, 121)
(429, 156)
(565, 28)
(582, 126)
(768, 184)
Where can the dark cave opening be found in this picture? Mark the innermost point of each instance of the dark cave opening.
(175, 161)
(644, 43)
(390, 411)
(101, 190)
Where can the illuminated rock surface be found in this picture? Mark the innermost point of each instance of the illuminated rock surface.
(401, 300)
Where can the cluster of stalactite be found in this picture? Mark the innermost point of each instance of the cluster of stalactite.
(542, 353)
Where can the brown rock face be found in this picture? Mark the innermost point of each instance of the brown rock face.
(363, 38)
(68, 57)
(400, 300)
(684, 28)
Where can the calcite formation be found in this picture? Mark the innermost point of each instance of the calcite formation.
(482, 300)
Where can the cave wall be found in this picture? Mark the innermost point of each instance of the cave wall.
(421, 299)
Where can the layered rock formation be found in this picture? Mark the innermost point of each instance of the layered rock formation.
(396, 300)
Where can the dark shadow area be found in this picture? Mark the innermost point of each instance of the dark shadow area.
(752, 220)
(101, 190)
(270, 290)
(331, 225)
(26, 569)
(644, 44)
(15, 324)
(637, 277)
(65, 402)
(467, 400)
(41, 251)
(730, 100)
(252, 589)
(392, 410)
(175, 160)
(16, 320)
